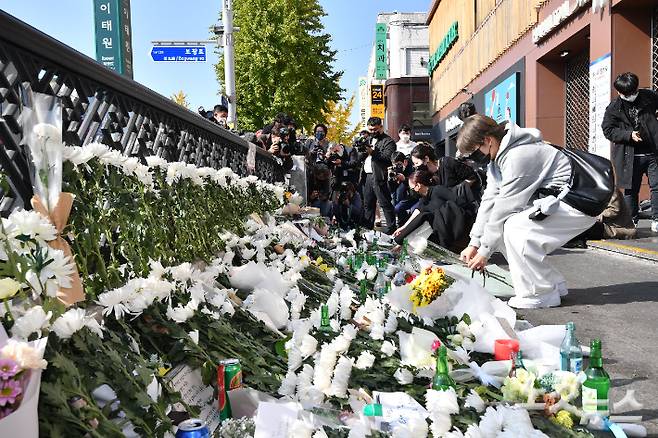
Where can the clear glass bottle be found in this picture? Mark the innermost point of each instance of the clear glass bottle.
(571, 353)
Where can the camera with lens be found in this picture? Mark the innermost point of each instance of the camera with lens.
(361, 143)
(284, 146)
(394, 171)
(205, 114)
(345, 193)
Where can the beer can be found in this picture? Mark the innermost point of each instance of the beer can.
(229, 376)
(193, 428)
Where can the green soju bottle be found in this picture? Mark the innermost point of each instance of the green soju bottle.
(442, 379)
(571, 355)
(595, 388)
(325, 326)
(363, 290)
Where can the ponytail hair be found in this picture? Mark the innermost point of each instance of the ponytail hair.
(475, 128)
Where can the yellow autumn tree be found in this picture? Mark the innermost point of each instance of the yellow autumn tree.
(337, 118)
(181, 99)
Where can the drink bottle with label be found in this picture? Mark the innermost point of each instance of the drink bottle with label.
(595, 388)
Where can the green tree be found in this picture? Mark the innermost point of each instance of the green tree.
(181, 99)
(337, 118)
(283, 61)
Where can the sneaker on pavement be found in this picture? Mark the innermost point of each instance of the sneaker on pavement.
(654, 226)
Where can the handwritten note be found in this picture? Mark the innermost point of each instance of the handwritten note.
(188, 382)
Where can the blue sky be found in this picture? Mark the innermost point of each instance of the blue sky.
(350, 22)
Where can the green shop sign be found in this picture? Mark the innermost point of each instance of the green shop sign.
(381, 64)
(444, 47)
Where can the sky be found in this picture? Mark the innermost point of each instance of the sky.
(351, 23)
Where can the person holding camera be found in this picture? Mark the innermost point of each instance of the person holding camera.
(398, 179)
(220, 115)
(280, 147)
(522, 168)
(347, 208)
(375, 169)
(317, 147)
(337, 160)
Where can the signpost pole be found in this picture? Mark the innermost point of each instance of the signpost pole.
(229, 62)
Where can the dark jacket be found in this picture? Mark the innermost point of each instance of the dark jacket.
(383, 149)
(618, 129)
(453, 172)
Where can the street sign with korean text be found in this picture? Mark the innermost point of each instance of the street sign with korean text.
(377, 101)
(179, 53)
(381, 64)
(113, 35)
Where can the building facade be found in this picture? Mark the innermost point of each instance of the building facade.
(405, 84)
(548, 64)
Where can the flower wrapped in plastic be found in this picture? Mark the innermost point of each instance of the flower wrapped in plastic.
(428, 286)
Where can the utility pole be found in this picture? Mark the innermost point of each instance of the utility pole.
(229, 62)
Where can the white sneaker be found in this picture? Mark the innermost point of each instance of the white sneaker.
(654, 226)
(562, 289)
(537, 302)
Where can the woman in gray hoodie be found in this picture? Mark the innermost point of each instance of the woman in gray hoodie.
(523, 170)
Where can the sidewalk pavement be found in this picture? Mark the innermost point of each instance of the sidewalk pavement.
(645, 246)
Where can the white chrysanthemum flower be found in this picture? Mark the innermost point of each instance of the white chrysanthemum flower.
(473, 400)
(180, 314)
(69, 323)
(442, 401)
(365, 360)
(388, 348)
(324, 368)
(308, 345)
(115, 301)
(441, 424)
(30, 224)
(377, 332)
(491, 423)
(60, 268)
(157, 270)
(346, 296)
(288, 384)
(403, 376)
(183, 272)
(341, 377)
(155, 161)
(34, 320)
(391, 323)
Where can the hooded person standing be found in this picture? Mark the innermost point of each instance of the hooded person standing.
(522, 169)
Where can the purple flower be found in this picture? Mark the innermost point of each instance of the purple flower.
(8, 368)
(9, 390)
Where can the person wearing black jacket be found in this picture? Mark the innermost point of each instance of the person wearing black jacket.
(443, 208)
(630, 123)
(375, 170)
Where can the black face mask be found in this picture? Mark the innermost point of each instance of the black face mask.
(479, 157)
(422, 167)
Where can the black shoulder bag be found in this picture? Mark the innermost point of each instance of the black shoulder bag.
(592, 181)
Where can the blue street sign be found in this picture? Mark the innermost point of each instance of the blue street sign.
(179, 53)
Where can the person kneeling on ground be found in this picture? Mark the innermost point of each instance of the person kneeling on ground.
(522, 165)
(440, 206)
(616, 222)
(348, 208)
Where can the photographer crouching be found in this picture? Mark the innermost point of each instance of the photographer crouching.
(398, 180)
(347, 208)
(375, 169)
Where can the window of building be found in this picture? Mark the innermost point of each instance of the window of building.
(421, 114)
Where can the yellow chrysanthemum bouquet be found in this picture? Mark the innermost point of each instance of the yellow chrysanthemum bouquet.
(428, 286)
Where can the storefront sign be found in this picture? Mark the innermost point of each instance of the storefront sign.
(363, 100)
(501, 103)
(599, 98)
(441, 51)
(113, 35)
(453, 122)
(381, 66)
(377, 101)
(557, 17)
